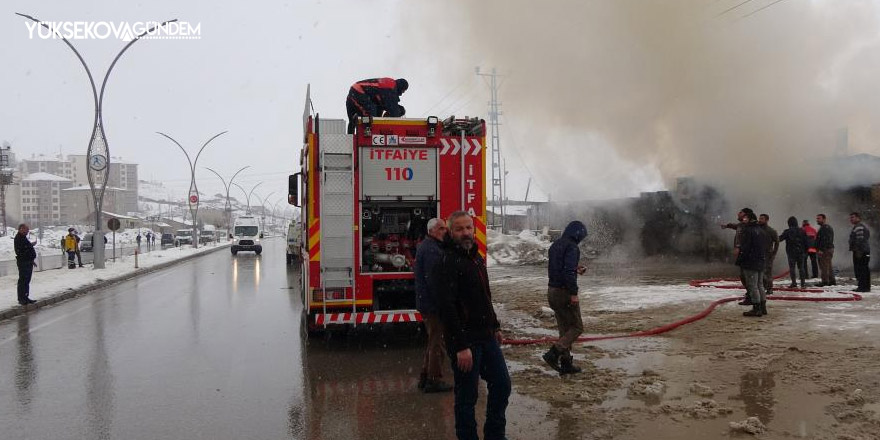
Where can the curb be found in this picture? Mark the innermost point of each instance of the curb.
(73, 293)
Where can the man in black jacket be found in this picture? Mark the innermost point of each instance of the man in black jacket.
(861, 249)
(796, 249)
(25, 255)
(460, 284)
(825, 247)
(752, 256)
(375, 97)
(429, 253)
(562, 294)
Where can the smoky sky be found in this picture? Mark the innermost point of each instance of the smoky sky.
(612, 97)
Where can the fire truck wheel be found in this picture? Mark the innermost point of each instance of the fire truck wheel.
(234, 251)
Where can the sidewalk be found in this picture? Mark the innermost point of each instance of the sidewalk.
(51, 286)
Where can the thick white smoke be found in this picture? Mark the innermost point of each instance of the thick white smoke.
(749, 103)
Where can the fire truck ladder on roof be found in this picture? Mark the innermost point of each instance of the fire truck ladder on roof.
(337, 204)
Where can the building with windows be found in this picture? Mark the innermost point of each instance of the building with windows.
(41, 201)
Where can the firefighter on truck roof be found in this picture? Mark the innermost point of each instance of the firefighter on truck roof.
(375, 97)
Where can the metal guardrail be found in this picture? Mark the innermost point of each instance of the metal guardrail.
(58, 261)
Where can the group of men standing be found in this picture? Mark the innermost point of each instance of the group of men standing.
(756, 244)
(454, 299)
(453, 296)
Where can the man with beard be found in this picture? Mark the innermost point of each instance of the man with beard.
(825, 247)
(460, 284)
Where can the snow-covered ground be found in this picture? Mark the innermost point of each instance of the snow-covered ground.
(50, 244)
(525, 248)
(47, 284)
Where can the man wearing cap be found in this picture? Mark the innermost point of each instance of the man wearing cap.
(375, 97)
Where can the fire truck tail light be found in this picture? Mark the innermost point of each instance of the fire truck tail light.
(367, 122)
(432, 125)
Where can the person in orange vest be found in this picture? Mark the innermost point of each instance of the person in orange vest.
(811, 248)
(375, 97)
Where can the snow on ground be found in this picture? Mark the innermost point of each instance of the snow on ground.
(525, 248)
(50, 244)
(49, 283)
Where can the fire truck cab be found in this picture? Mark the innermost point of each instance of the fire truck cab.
(365, 201)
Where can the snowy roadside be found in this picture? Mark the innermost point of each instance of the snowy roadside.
(51, 286)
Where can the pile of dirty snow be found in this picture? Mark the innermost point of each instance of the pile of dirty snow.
(525, 248)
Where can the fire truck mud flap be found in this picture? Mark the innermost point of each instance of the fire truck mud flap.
(323, 319)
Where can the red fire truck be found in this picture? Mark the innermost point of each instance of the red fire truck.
(365, 201)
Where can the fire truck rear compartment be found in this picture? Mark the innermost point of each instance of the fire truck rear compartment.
(390, 234)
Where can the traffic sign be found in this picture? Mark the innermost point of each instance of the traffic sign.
(113, 224)
(194, 199)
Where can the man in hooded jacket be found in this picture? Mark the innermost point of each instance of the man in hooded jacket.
(562, 294)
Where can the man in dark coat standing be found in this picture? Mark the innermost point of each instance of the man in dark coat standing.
(375, 97)
(429, 253)
(861, 249)
(796, 249)
(764, 223)
(751, 259)
(473, 335)
(562, 294)
(825, 247)
(25, 255)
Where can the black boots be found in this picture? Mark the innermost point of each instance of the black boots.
(758, 310)
(746, 301)
(551, 357)
(566, 366)
(559, 361)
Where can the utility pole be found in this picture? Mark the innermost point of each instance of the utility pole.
(495, 146)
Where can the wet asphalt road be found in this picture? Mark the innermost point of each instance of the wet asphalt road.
(210, 349)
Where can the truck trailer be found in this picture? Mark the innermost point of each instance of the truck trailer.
(365, 201)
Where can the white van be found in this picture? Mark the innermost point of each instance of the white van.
(246, 235)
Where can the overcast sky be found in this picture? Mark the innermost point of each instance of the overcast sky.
(247, 74)
(601, 99)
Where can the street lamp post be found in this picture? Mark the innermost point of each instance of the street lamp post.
(193, 198)
(227, 186)
(247, 194)
(263, 206)
(98, 154)
(274, 218)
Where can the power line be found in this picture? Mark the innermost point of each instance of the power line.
(759, 10)
(732, 8)
(428, 111)
(519, 156)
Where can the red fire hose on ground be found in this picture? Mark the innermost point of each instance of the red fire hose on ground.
(850, 296)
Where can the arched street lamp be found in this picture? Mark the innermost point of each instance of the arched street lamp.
(98, 153)
(227, 186)
(247, 194)
(263, 206)
(193, 198)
